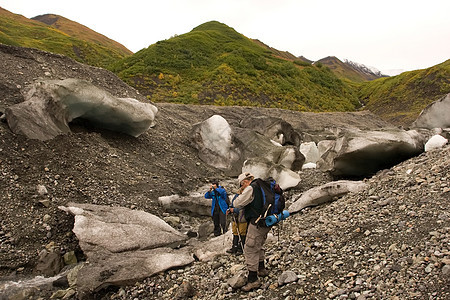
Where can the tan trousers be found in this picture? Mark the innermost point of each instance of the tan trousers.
(242, 228)
(254, 246)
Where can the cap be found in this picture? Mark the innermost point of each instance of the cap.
(244, 176)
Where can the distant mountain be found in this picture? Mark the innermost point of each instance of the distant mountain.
(73, 40)
(350, 70)
(214, 64)
(81, 32)
(369, 71)
(401, 98)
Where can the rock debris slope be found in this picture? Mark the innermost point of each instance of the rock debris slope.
(390, 241)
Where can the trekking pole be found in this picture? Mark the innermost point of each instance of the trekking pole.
(278, 235)
(239, 232)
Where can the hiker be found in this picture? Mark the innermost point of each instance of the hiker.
(219, 207)
(251, 200)
(239, 228)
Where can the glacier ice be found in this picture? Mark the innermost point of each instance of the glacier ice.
(50, 105)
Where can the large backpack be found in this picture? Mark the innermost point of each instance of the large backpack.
(273, 199)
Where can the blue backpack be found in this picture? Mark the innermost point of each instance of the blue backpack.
(274, 201)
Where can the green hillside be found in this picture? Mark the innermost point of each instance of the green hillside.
(214, 64)
(400, 99)
(81, 32)
(17, 30)
(281, 54)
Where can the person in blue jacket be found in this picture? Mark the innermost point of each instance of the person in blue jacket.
(219, 207)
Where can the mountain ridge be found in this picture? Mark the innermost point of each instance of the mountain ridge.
(244, 75)
(80, 31)
(349, 70)
(365, 69)
(214, 64)
(18, 30)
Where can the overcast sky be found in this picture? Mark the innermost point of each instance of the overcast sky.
(385, 34)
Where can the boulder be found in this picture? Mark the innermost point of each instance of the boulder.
(42, 190)
(128, 267)
(215, 142)
(435, 142)
(256, 145)
(310, 151)
(205, 229)
(274, 128)
(185, 290)
(194, 202)
(227, 148)
(324, 146)
(263, 168)
(287, 277)
(208, 250)
(266, 158)
(435, 115)
(50, 105)
(49, 263)
(118, 229)
(325, 193)
(123, 246)
(70, 258)
(238, 280)
(363, 153)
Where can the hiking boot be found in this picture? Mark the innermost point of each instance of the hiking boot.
(251, 285)
(232, 250)
(240, 246)
(263, 272)
(235, 246)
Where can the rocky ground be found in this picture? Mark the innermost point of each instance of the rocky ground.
(390, 242)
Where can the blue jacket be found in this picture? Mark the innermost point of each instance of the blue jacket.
(219, 195)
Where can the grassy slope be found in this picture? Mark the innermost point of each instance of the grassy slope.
(213, 64)
(17, 30)
(281, 54)
(81, 32)
(400, 99)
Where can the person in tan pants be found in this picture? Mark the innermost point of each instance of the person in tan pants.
(252, 201)
(239, 229)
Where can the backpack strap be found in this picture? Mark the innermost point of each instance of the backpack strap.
(256, 213)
